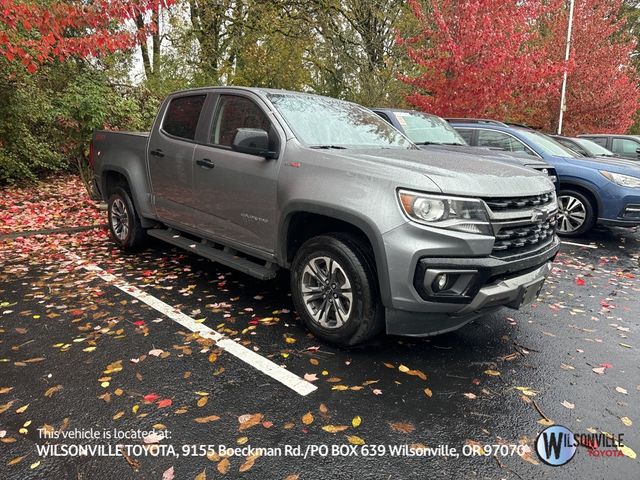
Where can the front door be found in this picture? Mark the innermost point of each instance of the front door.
(236, 192)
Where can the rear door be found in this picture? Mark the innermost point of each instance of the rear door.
(235, 192)
(170, 157)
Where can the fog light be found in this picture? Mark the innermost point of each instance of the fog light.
(441, 282)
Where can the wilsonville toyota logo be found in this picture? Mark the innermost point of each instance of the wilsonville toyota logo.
(556, 445)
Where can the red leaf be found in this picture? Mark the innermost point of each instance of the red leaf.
(164, 403)
(151, 397)
(580, 281)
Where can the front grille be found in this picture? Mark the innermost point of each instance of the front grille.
(508, 203)
(514, 240)
(522, 224)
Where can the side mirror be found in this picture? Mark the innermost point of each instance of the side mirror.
(638, 151)
(253, 141)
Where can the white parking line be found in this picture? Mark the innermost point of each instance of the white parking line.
(251, 358)
(579, 244)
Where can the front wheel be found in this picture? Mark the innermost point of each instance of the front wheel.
(124, 223)
(576, 213)
(335, 290)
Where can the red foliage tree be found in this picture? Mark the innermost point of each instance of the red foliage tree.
(485, 58)
(602, 87)
(33, 32)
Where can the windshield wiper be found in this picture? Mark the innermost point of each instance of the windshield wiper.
(329, 147)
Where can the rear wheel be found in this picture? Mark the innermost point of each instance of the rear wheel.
(335, 290)
(576, 213)
(124, 223)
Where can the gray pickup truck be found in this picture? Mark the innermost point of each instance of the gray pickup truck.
(377, 234)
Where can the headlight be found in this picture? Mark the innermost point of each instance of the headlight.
(453, 213)
(622, 180)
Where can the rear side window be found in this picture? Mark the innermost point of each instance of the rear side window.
(181, 119)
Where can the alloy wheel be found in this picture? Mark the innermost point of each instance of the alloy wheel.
(572, 214)
(119, 219)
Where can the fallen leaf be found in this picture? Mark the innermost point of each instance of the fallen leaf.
(167, 402)
(402, 427)
(249, 420)
(599, 370)
(223, 466)
(580, 281)
(202, 475)
(50, 391)
(428, 392)
(251, 459)
(621, 390)
(334, 428)
(568, 405)
(355, 440)
(470, 396)
(377, 391)
(493, 373)
(202, 401)
(310, 377)
(22, 409)
(627, 421)
(356, 421)
(210, 418)
(15, 461)
(307, 418)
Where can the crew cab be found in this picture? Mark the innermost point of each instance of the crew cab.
(376, 233)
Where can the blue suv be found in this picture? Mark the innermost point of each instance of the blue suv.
(603, 190)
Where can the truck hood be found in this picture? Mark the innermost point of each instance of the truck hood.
(458, 173)
(525, 161)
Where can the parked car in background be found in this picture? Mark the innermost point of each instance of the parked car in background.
(377, 235)
(626, 146)
(591, 191)
(433, 133)
(584, 147)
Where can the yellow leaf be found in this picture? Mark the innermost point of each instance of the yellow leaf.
(249, 421)
(403, 368)
(335, 428)
(356, 421)
(35, 465)
(627, 452)
(307, 418)
(89, 349)
(118, 391)
(428, 392)
(290, 340)
(493, 373)
(223, 466)
(545, 422)
(339, 387)
(5, 389)
(159, 426)
(355, 440)
(213, 357)
(389, 365)
(22, 409)
(627, 421)
(202, 401)
(213, 456)
(202, 475)
(135, 408)
(242, 440)
(312, 361)
(6, 406)
(118, 415)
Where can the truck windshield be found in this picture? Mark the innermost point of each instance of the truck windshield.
(323, 122)
(428, 129)
(547, 144)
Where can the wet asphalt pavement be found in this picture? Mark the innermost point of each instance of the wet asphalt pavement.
(74, 354)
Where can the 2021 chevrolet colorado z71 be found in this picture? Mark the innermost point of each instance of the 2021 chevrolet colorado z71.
(377, 233)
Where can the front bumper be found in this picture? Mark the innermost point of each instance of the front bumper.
(494, 283)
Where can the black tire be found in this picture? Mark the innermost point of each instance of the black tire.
(589, 211)
(135, 235)
(366, 316)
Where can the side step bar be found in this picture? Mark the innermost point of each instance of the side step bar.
(217, 253)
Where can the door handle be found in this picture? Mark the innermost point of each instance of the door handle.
(157, 153)
(205, 162)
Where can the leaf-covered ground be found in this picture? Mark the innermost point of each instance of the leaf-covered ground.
(78, 353)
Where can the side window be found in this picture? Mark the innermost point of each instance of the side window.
(181, 119)
(622, 145)
(466, 134)
(499, 140)
(234, 113)
(384, 116)
(602, 141)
